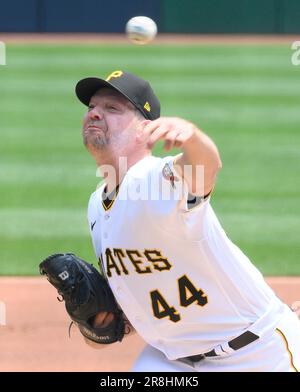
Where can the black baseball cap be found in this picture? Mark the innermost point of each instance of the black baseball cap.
(138, 91)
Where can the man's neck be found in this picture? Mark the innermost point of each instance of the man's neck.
(114, 168)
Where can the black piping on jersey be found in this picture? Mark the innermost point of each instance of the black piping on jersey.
(193, 201)
(108, 200)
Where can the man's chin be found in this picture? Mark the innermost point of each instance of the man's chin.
(95, 142)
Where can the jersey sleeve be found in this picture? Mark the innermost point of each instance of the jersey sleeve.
(186, 201)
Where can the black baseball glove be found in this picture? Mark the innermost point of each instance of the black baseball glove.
(86, 293)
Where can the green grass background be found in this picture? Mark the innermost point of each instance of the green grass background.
(247, 98)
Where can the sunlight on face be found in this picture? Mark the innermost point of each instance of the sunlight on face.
(109, 121)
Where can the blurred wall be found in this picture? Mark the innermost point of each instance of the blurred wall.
(231, 16)
(174, 16)
(73, 15)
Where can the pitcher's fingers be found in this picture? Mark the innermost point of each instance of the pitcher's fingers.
(178, 144)
(182, 137)
(101, 318)
(157, 134)
(150, 127)
(170, 139)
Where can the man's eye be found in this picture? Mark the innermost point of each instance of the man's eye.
(90, 107)
(112, 107)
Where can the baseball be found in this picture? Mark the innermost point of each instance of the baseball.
(141, 30)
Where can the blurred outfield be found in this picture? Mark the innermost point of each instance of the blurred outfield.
(247, 98)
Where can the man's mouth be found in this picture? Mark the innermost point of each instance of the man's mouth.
(94, 128)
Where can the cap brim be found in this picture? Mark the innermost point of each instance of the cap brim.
(87, 87)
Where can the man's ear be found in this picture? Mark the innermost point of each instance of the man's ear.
(140, 137)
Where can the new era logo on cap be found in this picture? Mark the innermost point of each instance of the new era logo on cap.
(147, 107)
(138, 91)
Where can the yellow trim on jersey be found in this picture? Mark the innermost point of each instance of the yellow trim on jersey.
(175, 159)
(117, 252)
(288, 349)
(162, 306)
(161, 258)
(106, 208)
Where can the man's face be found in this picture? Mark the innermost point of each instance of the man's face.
(110, 121)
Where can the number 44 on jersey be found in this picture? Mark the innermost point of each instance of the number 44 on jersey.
(188, 294)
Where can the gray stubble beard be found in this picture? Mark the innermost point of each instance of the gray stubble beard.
(98, 142)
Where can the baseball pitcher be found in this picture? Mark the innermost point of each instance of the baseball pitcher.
(168, 269)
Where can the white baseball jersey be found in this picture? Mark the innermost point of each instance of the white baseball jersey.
(184, 286)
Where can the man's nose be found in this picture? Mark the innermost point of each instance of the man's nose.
(95, 114)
